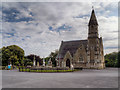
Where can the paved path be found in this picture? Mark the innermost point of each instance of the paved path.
(107, 78)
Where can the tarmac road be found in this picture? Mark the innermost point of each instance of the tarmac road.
(87, 78)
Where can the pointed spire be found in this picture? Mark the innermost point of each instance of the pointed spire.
(93, 20)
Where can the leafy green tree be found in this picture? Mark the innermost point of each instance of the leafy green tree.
(28, 62)
(53, 57)
(37, 58)
(118, 59)
(0, 57)
(17, 63)
(111, 59)
(12, 54)
(46, 60)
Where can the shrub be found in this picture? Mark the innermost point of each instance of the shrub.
(23, 70)
(44, 71)
(3, 67)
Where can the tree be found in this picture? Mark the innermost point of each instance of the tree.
(111, 59)
(37, 58)
(53, 57)
(28, 62)
(54, 54)
(0, 57)
(119, 59)
(12, 54)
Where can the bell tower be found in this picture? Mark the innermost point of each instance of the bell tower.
(93, 38)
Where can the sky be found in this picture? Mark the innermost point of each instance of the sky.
(39, 27)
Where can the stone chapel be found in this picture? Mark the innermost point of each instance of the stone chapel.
(86, 53)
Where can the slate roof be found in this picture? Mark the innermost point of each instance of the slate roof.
(70, 46)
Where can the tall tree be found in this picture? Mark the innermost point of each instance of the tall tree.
(12, 54)
(112, 59)
(37, 58)
(53, 57)
(119, 59)
(28, 62)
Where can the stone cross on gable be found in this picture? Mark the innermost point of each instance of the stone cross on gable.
(92, 7)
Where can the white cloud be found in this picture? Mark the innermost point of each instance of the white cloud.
(35, 36)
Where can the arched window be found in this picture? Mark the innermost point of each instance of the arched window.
(80, 46)
(81, 58)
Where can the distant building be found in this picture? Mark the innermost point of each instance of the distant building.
(87, 53)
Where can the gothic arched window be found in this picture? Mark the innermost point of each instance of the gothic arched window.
(81, 58)
(80, 46)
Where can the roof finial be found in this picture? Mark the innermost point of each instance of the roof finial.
(92, 7)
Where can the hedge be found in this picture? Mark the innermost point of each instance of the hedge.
(45, 71)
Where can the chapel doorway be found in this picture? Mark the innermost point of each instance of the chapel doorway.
(68, 63)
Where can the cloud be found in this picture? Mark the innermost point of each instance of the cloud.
(39, 28)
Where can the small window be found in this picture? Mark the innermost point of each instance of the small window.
(80, 46)
(80, 58)
(95, 48)
(92, 47)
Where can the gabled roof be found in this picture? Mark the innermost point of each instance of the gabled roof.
(70, 46)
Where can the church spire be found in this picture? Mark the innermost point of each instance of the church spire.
(93, 26)
(93, 20)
